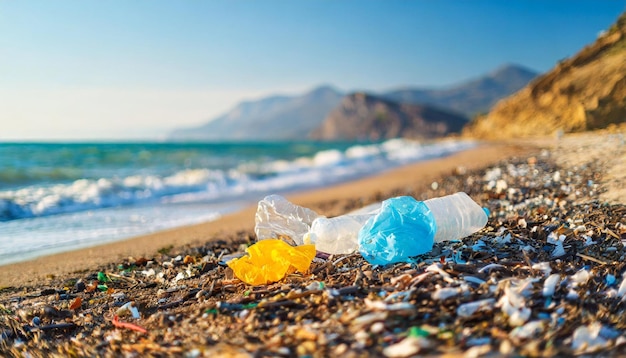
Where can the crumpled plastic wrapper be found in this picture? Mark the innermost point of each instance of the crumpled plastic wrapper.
(271, 260)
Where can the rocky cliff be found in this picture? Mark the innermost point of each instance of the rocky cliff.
(587, 91)
(361, 116)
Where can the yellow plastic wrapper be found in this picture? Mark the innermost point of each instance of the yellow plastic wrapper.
(271, 260)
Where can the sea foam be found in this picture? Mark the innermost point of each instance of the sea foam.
(201, 184)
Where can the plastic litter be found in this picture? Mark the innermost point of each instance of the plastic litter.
(457, 216)
(102, 277)
(119, 324)
(405, 227)
(276, 217)
(270, 260)
(128, 308)
(338, 235)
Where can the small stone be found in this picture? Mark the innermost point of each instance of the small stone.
(79, 286)
(305, 334)
(341, 349)
(377, 327)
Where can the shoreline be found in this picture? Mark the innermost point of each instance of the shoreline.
(544, 274)
(421, 174)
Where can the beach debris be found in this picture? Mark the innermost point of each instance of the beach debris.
(468, 309)
(592, 337)
(276, 217)
(513, 301)
(405, 227)
(119, 324)
(402, 229)
(76, 304)
(528, 330)
(497, 292)
(102, 277)
(557, 241)
(128, 308)
(550, 283)
(413, 344)
(271, 260)
(338, 235)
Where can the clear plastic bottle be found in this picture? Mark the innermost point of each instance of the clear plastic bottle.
(405, 227)
(456, 215)
(336, 235)
(278, 218)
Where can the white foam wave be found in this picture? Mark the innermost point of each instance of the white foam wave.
(325, 167)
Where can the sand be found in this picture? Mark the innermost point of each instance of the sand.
(326, 201)
(538, 280)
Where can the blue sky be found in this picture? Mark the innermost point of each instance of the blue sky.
(134, 69)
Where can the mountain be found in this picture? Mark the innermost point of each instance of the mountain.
(586, 91)
(270, 118)
(472, 97)
(363, 116)
(295, 117)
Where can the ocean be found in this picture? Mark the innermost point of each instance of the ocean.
(57, 197)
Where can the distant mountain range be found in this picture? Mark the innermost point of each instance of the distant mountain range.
(472, 97)
(310, 115)
(270, 118)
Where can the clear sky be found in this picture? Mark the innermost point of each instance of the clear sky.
(135, 69)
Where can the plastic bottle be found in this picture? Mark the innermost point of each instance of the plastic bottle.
(456, 215)
(277, 218)
(405, 227)
(336, 235)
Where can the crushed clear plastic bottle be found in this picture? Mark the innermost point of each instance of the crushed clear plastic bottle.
(278, 218)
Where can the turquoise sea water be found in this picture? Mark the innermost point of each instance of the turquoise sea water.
(60, 196)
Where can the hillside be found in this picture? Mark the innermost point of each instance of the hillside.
(362, 116)
(587, 91)
(270, 118)
(471, 97)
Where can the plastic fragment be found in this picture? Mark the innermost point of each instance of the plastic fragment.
(407, 347)
(102, 277)
(271, 260)
(580, 278)
(550, 283)
(589, 338)
(468, 309)
(621, 291)
(76, 304)
(513, 303)
(119, 324)
(529, 330)
(129, 307)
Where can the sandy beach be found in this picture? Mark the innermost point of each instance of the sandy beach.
(327, 201)
(545, 277)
